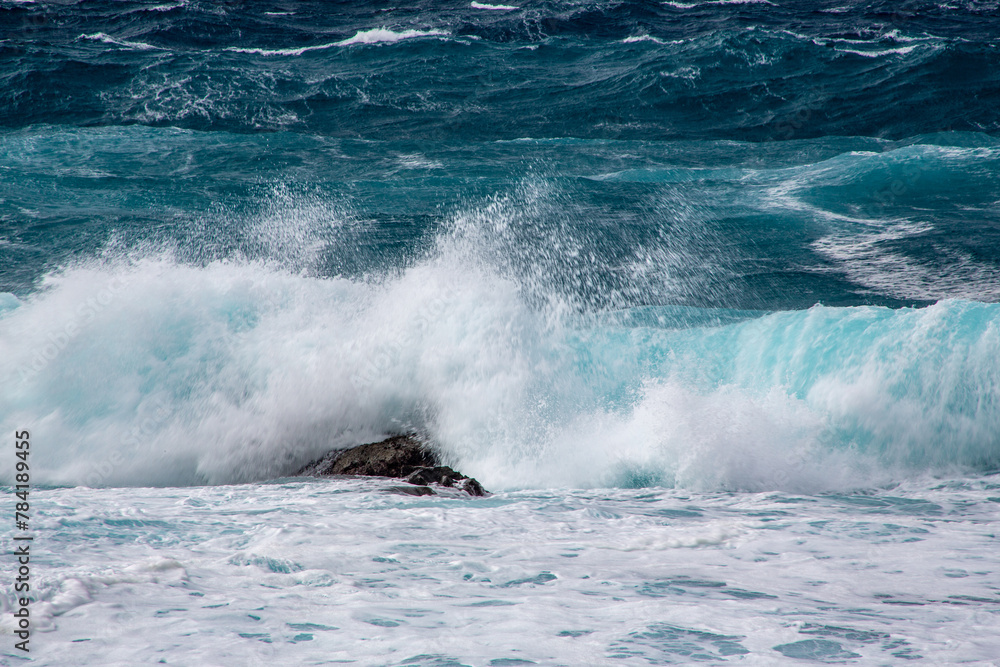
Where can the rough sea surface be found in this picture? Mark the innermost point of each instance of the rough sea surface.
(705, 292)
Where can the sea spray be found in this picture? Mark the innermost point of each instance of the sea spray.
(252, 371)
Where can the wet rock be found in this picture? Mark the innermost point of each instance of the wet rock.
(445, 476)
(471, 486)
(442, 475)
(412, 490)
(394, 457)
(401, 456)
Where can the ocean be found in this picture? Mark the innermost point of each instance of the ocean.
(707, 294)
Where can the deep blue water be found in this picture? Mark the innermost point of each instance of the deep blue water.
(662, 188)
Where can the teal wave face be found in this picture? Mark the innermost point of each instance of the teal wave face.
(914, 386)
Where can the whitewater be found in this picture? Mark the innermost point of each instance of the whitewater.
(705, 294)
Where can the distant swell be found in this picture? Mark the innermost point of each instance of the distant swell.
(766, 72)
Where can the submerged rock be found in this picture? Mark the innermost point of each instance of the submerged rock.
(445, 476)
(412, 490)
(401, 456)
(394, 457)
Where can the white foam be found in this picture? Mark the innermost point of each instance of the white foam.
(380, 35)
(417, 161)
(878, 53)
(691, 5)
(163, 8)
(341, 570)
(502, 8)
(688, 73)
(107, 39)
(155, 96)
(635, 39)
(373, 36)
(283, 52)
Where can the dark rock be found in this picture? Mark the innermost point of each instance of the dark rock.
(472, 487)
(412, 490)
(397, 456)
(445, 476)
(401, 456)
(442, 475)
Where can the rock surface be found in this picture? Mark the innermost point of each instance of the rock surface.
(412, 490)
(445, 476)
(401, 456)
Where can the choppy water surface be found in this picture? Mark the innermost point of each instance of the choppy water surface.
(335, 572)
